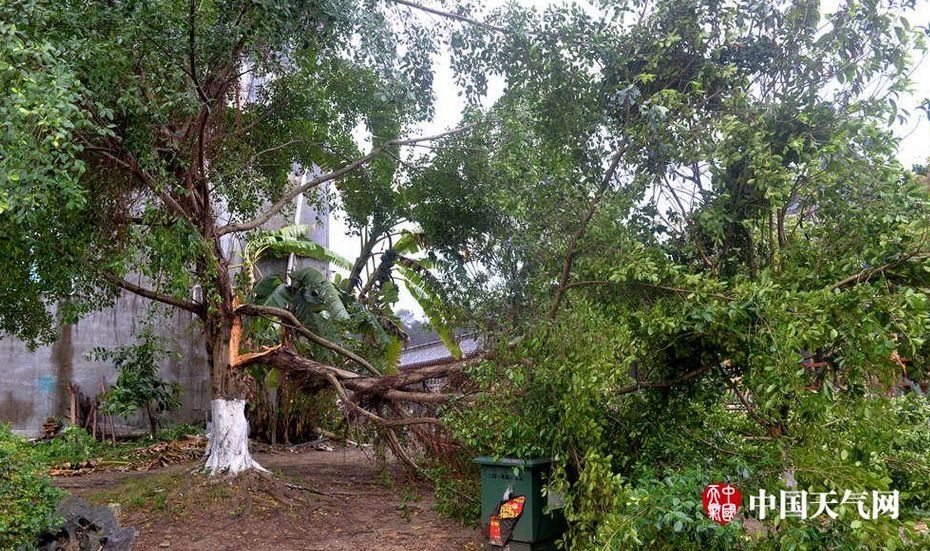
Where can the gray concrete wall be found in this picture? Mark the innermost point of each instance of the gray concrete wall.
(34, 384)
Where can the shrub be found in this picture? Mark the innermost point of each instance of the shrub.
(138, 385)
(73, 445)
(27, 497)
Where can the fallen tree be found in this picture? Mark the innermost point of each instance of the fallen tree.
(381, 400)
(714, 266)
(392, 388)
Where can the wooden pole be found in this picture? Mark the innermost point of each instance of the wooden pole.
(110, 416)
(73, 404)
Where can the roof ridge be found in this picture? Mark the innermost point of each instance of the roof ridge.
(438, 341)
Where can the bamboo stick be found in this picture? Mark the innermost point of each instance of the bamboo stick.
(73, 405)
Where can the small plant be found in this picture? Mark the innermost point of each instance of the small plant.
(73, 445)
(456, 491)
(410, 496)
(138, 386)
(27, 497)
(178, 432)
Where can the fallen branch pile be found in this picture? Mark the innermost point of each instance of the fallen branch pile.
(389, 402)
(159, 454)
(162, 454)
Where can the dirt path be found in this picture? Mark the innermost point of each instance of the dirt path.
(359, 507)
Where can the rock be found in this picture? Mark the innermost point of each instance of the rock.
(121, 539)
(90, 540)
(86, 527)
(84, 514)
(164, 544)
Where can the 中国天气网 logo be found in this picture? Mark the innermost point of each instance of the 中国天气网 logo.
(722, 502)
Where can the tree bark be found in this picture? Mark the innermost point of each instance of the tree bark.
(572, 248)
(153, 422)
(228, 439)
(228, 449)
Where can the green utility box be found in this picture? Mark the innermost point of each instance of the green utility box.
(542, 521)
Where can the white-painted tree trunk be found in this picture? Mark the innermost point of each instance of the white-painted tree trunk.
(228, 440)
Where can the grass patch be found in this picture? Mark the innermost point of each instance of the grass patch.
(152, 492)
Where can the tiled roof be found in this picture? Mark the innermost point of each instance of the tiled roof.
(435, 352)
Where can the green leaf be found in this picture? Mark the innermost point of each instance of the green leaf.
(419, 289)
(291, 240)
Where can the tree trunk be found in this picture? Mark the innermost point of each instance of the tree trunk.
(228, 439)
(153, 422)
(228, 450)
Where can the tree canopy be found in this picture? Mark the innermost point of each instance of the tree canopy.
(148, 143)
(139, 131)
(682, 229)
(703, 202)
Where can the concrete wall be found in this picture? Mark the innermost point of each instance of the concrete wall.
(34, 384)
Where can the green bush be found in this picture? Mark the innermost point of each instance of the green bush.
(73, 445)
(27, 497)
(631, 466)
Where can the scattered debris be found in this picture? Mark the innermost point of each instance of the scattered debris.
(319, 444)
(74, 468)
(162, 454)
(159, 454)
(51, 428)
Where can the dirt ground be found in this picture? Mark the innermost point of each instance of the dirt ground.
(335, 501)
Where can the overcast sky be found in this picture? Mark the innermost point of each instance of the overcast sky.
(914, 134)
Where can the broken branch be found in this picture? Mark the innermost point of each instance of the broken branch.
(294, 323)
(664, 384)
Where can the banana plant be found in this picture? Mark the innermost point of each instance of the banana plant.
(305, 292)
(289, 240)
(423, 286)
(312, 299)
(308, 294)
(317, 302)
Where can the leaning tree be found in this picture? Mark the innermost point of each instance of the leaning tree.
(144, 141)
